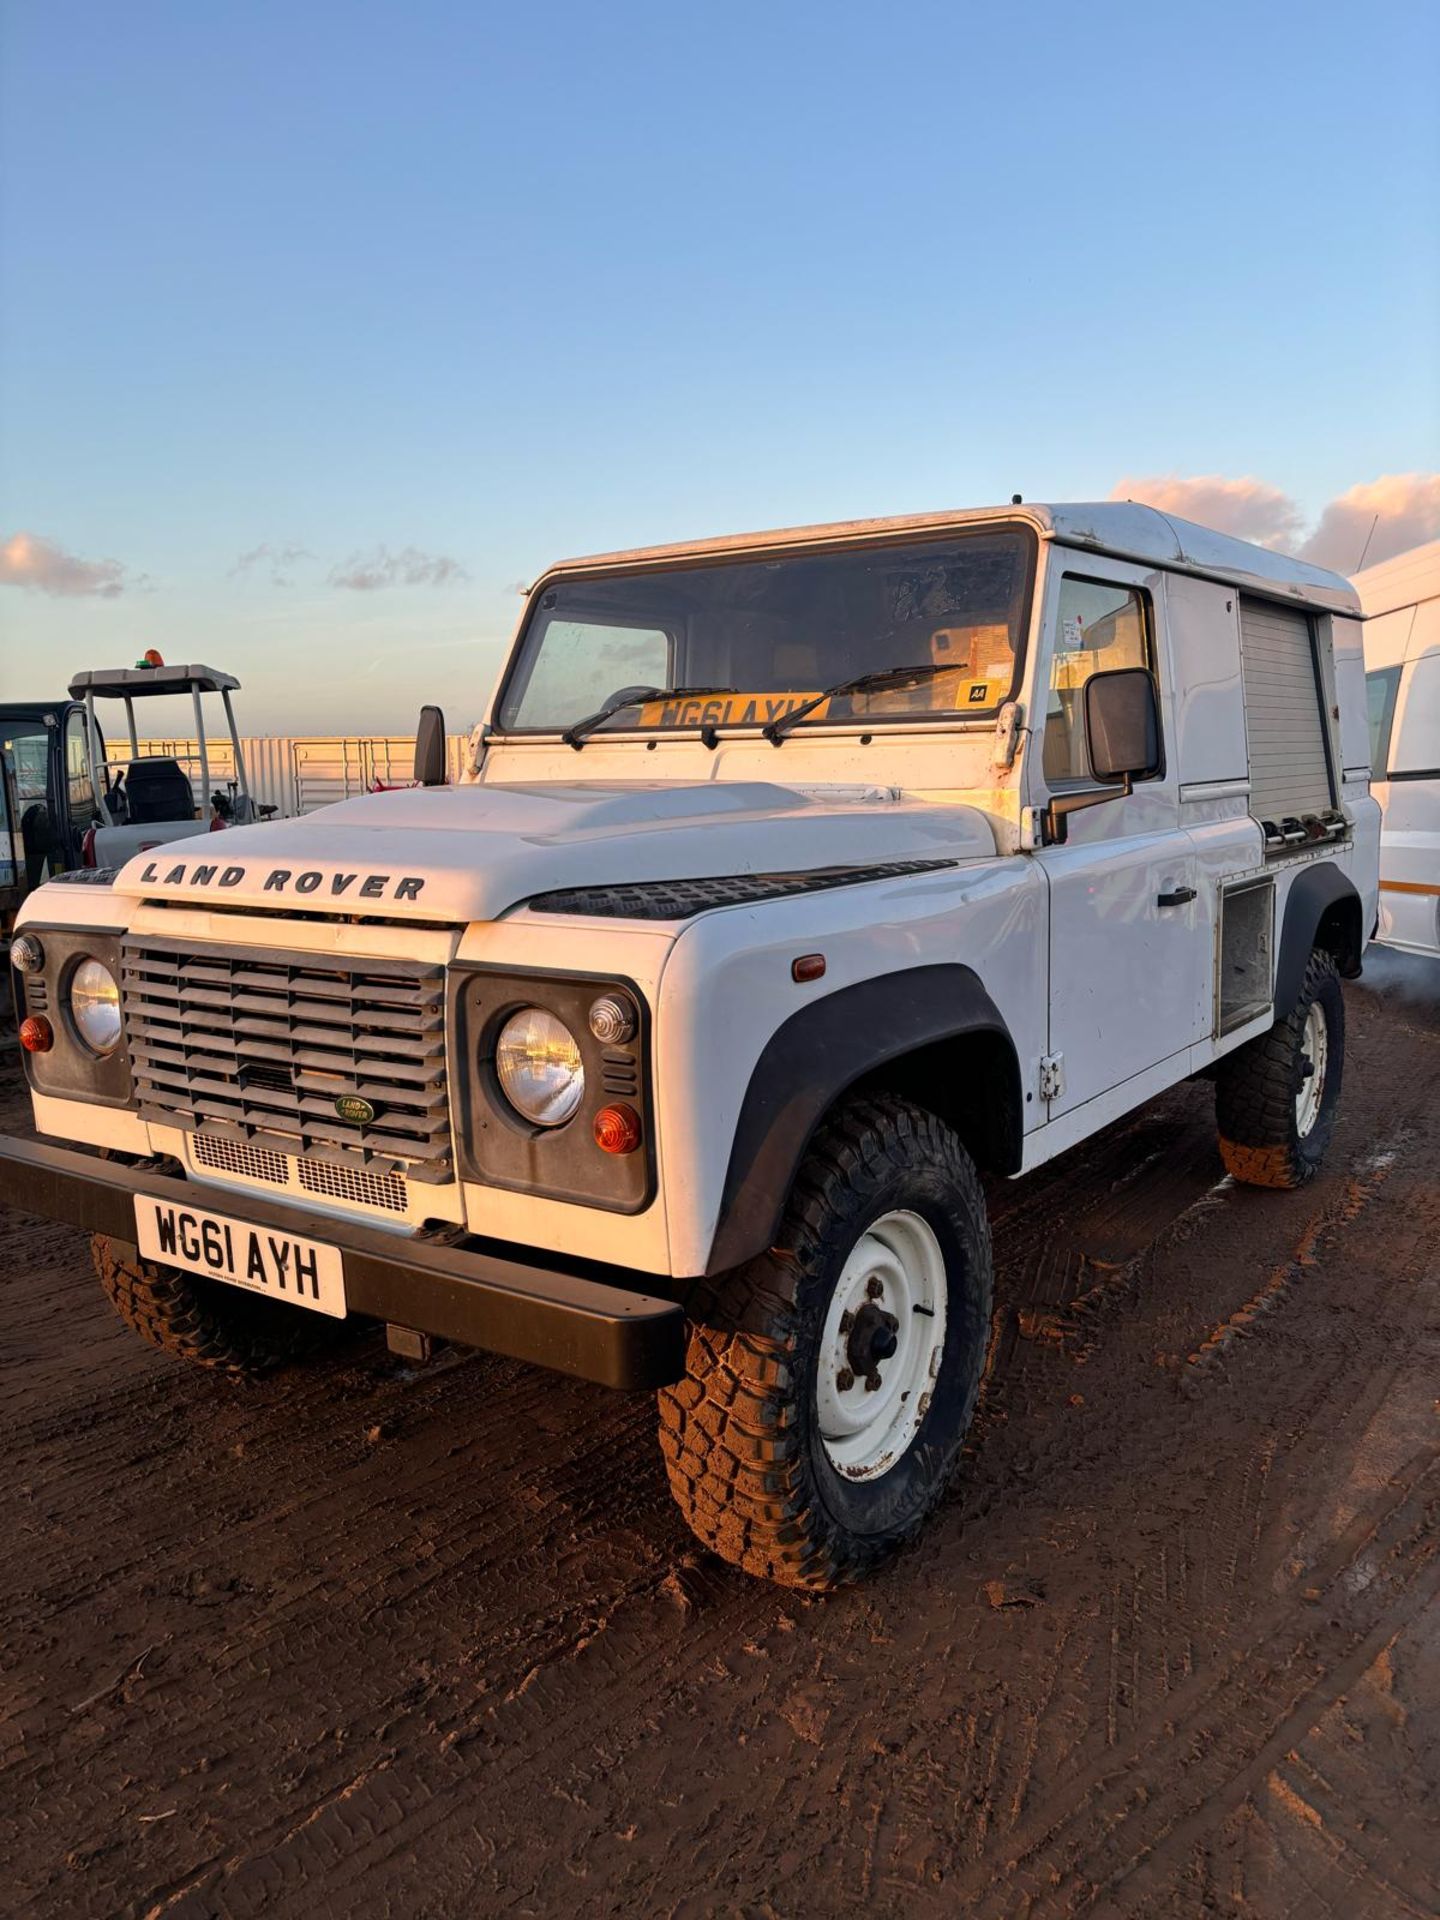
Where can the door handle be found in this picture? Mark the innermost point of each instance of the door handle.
(1176, 899)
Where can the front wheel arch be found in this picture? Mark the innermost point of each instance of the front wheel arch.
(931, 1035)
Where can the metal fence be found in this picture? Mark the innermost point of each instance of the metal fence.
(298, 774)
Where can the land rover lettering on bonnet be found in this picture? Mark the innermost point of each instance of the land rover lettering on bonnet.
(793, 883)
(335, 884)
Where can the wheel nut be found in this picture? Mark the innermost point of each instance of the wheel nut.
(874, 1288)
(847, 1321)
(844, 1380)
(872, 1381)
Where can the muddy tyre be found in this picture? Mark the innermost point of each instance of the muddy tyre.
(830, 1382)
(203, 1320)
(1275, 1097)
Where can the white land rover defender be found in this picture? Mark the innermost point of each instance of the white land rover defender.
(798, 879)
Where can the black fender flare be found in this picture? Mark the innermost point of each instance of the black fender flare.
(1312, 895)
(819, 1054)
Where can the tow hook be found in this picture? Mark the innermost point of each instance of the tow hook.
(411, 1344)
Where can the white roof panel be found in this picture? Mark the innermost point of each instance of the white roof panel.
(1402, 582)
(1125, 529)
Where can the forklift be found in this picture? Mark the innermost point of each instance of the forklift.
(67, 800)
(44, 766)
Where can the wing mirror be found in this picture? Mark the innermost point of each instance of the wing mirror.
(1122, 741)
(1122, 725)
(430, 748)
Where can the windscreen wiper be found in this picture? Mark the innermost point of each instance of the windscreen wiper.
(577, 735)
(776, 730)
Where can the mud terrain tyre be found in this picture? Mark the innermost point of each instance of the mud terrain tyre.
(1275, 1097)
(830, 1382)
(203, 1320)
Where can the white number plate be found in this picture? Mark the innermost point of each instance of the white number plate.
(261, 1259)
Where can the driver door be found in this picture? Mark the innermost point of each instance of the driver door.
(12, 854)
(82, 804)
(1129, 953)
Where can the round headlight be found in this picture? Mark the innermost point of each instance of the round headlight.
(95, 1006)
(538, 1062)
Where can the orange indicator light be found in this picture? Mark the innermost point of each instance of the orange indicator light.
(617, 1130)
(36, 1033)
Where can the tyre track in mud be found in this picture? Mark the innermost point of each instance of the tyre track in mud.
(434, 1642)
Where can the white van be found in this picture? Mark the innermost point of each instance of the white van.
(1401, 603)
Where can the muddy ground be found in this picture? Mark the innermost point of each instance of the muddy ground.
(370, 1640)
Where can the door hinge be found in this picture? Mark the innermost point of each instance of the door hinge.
(1007, 733)
(1052, 1075)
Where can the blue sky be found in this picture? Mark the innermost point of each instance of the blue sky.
(482, 286)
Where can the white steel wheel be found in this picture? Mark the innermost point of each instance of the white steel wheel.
(881, 1347)
(1314, 1058)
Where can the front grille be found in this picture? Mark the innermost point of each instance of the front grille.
(257, 1051)
(355, 1185)
(246, 1163)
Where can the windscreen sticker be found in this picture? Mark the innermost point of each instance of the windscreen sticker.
(926, 694)
(725, 710)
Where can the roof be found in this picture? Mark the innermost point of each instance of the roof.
(115, 683)
(32, 709)
(1402, 582)
(1123, 529)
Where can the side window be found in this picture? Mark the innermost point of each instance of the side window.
(1380, 691)
(77, 770)
(1415, 749)
(1099, 627)
(29, 750)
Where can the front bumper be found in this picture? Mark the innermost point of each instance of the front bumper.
(591, 1325)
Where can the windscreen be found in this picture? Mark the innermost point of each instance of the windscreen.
(773, 633)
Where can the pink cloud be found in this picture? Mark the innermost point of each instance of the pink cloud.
(31, 561)
(1378, 518)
